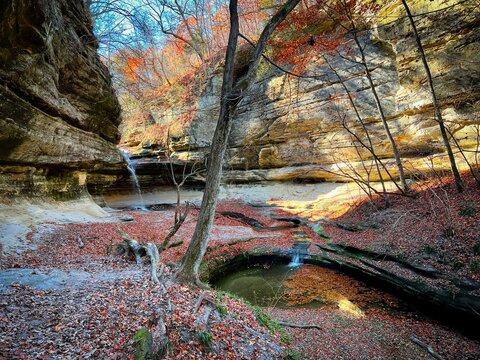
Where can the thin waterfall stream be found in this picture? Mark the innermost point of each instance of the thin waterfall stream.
(135, 182)
(296, 259)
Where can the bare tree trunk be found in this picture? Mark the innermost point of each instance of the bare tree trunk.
(230, 97)
(438, 111)
(396, 153)
(198, 245)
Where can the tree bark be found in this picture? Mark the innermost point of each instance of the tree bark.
(230, 97)
(438, 111)
(198, 245)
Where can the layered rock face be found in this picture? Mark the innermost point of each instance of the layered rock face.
(288, 128)
(58, 111)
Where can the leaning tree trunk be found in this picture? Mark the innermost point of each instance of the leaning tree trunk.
(438, 111)
(198, 245)
(230, 97)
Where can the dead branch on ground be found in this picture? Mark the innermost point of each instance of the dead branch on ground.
(427, 347)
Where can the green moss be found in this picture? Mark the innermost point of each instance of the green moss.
(292, 355)
(475, 266)
(233, 296)
(263, 69)
(205, 339)
(222, 309)
(271, 324)
(429, 250)
(349, 226)
(468, 210)
(318, 228)
(262, 317)
(476, 249)
(143, 342)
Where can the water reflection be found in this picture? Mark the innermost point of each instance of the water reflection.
(307, 286)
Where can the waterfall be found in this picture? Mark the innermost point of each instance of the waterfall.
(136, 184)
(296, 259)
(299, 251)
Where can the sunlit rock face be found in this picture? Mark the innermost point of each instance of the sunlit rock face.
(287, 128)
(58, 111)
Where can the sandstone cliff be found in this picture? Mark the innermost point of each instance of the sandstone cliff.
(286, 127)
(58, 111)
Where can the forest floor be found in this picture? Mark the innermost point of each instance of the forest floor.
(66, 296)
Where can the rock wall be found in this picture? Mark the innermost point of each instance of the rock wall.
(58, 110)
(291, 128)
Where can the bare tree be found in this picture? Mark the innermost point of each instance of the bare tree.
(343, 8)
(231, 95)
(180, 214)
(368, 145)
(436, 105)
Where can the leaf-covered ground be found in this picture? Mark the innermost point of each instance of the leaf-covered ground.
(98, 316)
(439, 227)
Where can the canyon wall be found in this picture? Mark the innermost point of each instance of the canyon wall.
(58, 110)
(287, 128)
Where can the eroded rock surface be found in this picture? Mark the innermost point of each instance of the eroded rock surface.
(58, 110)
(286, 128)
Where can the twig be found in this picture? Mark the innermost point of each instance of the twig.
(81, 244)
(301, 326)
(173, 244)
(399, 218)
(426, 347)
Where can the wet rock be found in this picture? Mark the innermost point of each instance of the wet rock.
(126, 218)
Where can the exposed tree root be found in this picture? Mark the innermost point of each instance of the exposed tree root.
(140, 250)
(202, 297)
(173, 244)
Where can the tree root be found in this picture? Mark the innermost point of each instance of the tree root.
(140, 250)
(202, 297)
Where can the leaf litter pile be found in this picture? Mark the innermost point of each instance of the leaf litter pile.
(103, 300)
